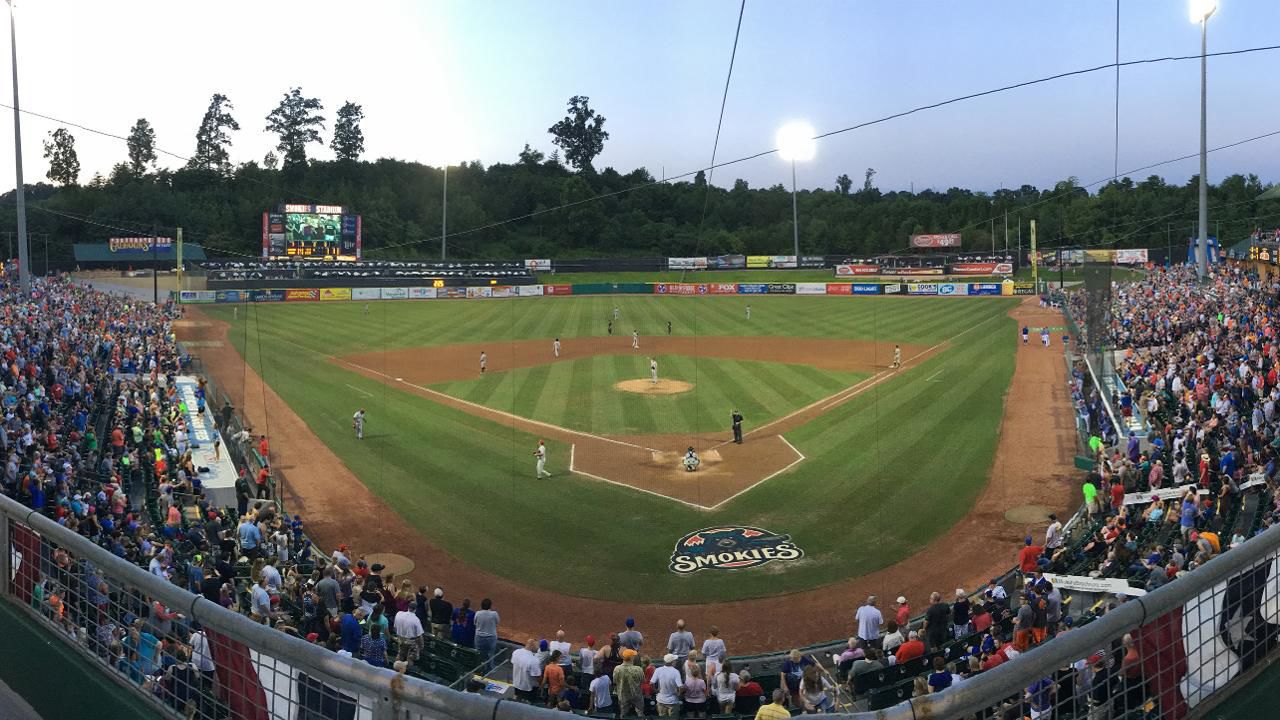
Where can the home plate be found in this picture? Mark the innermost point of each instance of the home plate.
(660, 457)
(399, 379)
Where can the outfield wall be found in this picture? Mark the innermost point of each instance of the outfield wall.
(366, 294)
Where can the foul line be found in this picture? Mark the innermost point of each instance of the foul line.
(654, 493)
(931, 377)
(799, 459)
(363, 392)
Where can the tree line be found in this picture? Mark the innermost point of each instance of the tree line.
(564, 207)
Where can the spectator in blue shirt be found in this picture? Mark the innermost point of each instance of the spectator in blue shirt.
(249, 537)
(350, 630)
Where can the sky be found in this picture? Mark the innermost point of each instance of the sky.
(460, 81)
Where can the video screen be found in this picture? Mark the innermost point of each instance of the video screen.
(312, 228)
(311, 232)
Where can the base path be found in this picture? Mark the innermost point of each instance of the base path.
(1033, 466)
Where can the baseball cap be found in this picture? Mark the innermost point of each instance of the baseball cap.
(629, 653)
(631, 622)
(913, 635)
(312, 637)
(591, 639)
(902, 598)
(669, 658)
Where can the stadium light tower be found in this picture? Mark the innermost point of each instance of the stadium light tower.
(795, 142)
(1200, 12)
(24, 253)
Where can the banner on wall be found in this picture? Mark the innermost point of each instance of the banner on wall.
(230, 296)
(922, 289)
(752, 288)
(984, 288)
(722, 288)
(394, 293)
(871, 288)
(676, 289)
(782, 288)
(839, 289)
(913, 271)
(757, 261)
(1024, 288)
(557, 289)
(365, 294)
(1135, 256)
(1102, 256)
(301, 294)
(783, 262)
(479, 292)
(855, 270)
(940, 240)
(811, 288)
(503, 291)
(727, 262)
(891, 288)
(953, 289)
(812, 261)
(687, 263)
(990, 268)
(197, 296)
(529, 290)
(335, 293)
(452, 293)
(266, 296)
(537, 265)
(422, 293)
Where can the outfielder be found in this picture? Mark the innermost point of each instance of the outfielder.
(357, 422)
(615, 312)
(555, 347)
(541, 455)
(635, 339)
(484, 360)
(897, 356)
(748, 312)
(653, 371)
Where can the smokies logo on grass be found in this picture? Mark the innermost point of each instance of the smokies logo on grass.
(731, 548)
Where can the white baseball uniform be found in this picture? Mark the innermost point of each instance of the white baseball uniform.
(748, 312)
(541, 455)
(653, 371)
(357, 421)
(484, 360)
(556, 348)
(897, 356)
(635, 339)
(615, 312)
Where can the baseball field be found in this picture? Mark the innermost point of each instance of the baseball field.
(859, 463)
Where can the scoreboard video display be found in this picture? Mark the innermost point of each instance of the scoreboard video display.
(311, 232)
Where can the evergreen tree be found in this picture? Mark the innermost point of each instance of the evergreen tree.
(212, 140)
(581, 133)
(142, 146)
(296, 120)
(348, 140)
(60, 151)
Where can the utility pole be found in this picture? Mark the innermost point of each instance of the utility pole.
(155, 263)
(1168, 241)
(24, 253)
(444, 213)
(1006, 232)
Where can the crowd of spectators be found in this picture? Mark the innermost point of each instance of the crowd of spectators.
(95, 437)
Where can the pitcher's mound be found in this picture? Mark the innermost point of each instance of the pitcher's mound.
(648, 387)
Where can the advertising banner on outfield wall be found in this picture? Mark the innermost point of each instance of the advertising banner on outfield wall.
(942, 240)
(727, 262)
(687, 263)
(870, 288)
(394, 293)
(479, 292)
(451, 293)
(1024, 288)
(855, 270)
(980, 268)
(266, 296)
(891, 288)
(301, 295)
(811, 288)
(913, 271)
(783, 262)
(335, 293)
(812, 261)
(757, 261)
(953, 289)
(839, 289)
(557, 289)
(782, 288)
(422, 293)
(1131, 257)
(537, 265)
(197, 296)
(230, 296)
(365, 294)
(752, 288)
(503, 291)
(529, 290)
(722, 288)
(984, 288)
(922, 288)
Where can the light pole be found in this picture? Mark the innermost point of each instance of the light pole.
(24, 253)
(444, 213)
(1200, 12)
(795, 142)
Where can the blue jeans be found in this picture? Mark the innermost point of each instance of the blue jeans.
(488, 647)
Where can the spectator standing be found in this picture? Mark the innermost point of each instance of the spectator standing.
(631, 638)
(776, 710)
(960, 615)
(714, 651)
(522, 664)
(725, 684)
(666, 681)
(587, 662)
(486, 623)
(680, 643)
(441, 614)
(869, 621)
(628, 678)
(1053, 535)
(566, 653)
(937, 621)
(601, 700)
(409, 633)
(903, 612)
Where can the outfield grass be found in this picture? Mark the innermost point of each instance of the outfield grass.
(900, 464)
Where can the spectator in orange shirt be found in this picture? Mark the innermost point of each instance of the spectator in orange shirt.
(553, 678)
(903, 615)
(912, 648)
(1028, 556)
(263, 447)
(263, 475)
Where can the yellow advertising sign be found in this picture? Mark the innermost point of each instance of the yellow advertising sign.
(335, 293)
(757, 261)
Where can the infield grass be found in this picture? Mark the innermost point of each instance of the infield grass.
(886, 472)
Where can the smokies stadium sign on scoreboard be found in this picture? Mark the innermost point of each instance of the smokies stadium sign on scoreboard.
(731, 548)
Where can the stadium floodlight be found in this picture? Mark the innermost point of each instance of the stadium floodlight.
(795, 142)
(1200, 10)
(24, 253)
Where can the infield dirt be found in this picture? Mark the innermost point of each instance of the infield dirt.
(1033, 465)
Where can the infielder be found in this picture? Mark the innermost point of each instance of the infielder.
(897, 356)
(1026, 331)
(357, 422)
(668, 327)
(555, 347)
(610, 327)
(541, 455)
(615, 312)
(635, 339)
(653, 371)
(484, 360)
(366, 308)
(1044, 336)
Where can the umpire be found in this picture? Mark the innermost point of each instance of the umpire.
(737, 427)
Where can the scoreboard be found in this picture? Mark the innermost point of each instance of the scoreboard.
(311, 232)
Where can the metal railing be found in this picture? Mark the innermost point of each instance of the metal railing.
(159, 640)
